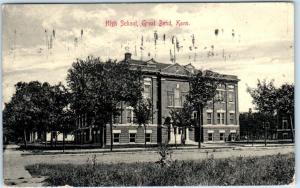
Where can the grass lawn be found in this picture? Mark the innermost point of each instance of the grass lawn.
(267, 170)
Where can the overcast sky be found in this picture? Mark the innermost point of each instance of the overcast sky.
(253, 40)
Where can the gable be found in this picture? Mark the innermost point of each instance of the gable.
(176, 69)
(151, 62)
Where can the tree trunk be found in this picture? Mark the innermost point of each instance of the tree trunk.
(182, 136)
(277, 125)
(200, 125)
(175, 135)
(25, 140)
(265, 134)
(102, 137)
(248, 136)
(45, 139)
(252, 138)
(63, 142)
(292, 128)
(111, 133)
(145, 134)
(51, 138)
(55, 139)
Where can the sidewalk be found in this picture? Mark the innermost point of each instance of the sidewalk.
(204, 147)
(14, 173)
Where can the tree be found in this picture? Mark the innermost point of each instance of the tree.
(264, 96)
(143, 113)
(98, 87)
(67, 123)
(272, 101)
(203, 87)
(11, 132)
(285, 103)
(181, 117)
(23, 113)
(35, 106)
(61, 116)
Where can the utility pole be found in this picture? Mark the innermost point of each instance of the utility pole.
(265, 127)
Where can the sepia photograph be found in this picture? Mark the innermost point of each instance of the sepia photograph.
(148, 94)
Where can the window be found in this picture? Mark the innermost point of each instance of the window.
(210, 136)
(231, 115)
(183, 97)
(177, 97)
(285, 136)
(220, 118)
(220, 96)
(129, 115)
(116, 137)
(132, 137)
(230, 87)
(209, 117)
(170, 95)
(117, 118)
(221, 136)
(230, 96)
(147, 91)
(134, 117)
(148, 137)
(284, 124)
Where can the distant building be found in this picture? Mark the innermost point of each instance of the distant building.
(39, 136)
(284, 128)
(256, 126)
(166, 85)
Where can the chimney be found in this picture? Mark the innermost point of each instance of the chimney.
(127, 56)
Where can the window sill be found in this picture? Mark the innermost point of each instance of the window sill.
(175, 106)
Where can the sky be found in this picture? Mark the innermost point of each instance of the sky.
(250, 40)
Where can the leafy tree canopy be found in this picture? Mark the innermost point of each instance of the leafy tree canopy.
(98, 87)
(182, 117)
(271, 100)
(203, 87)
(143, 111)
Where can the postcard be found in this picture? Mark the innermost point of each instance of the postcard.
(148, 94)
